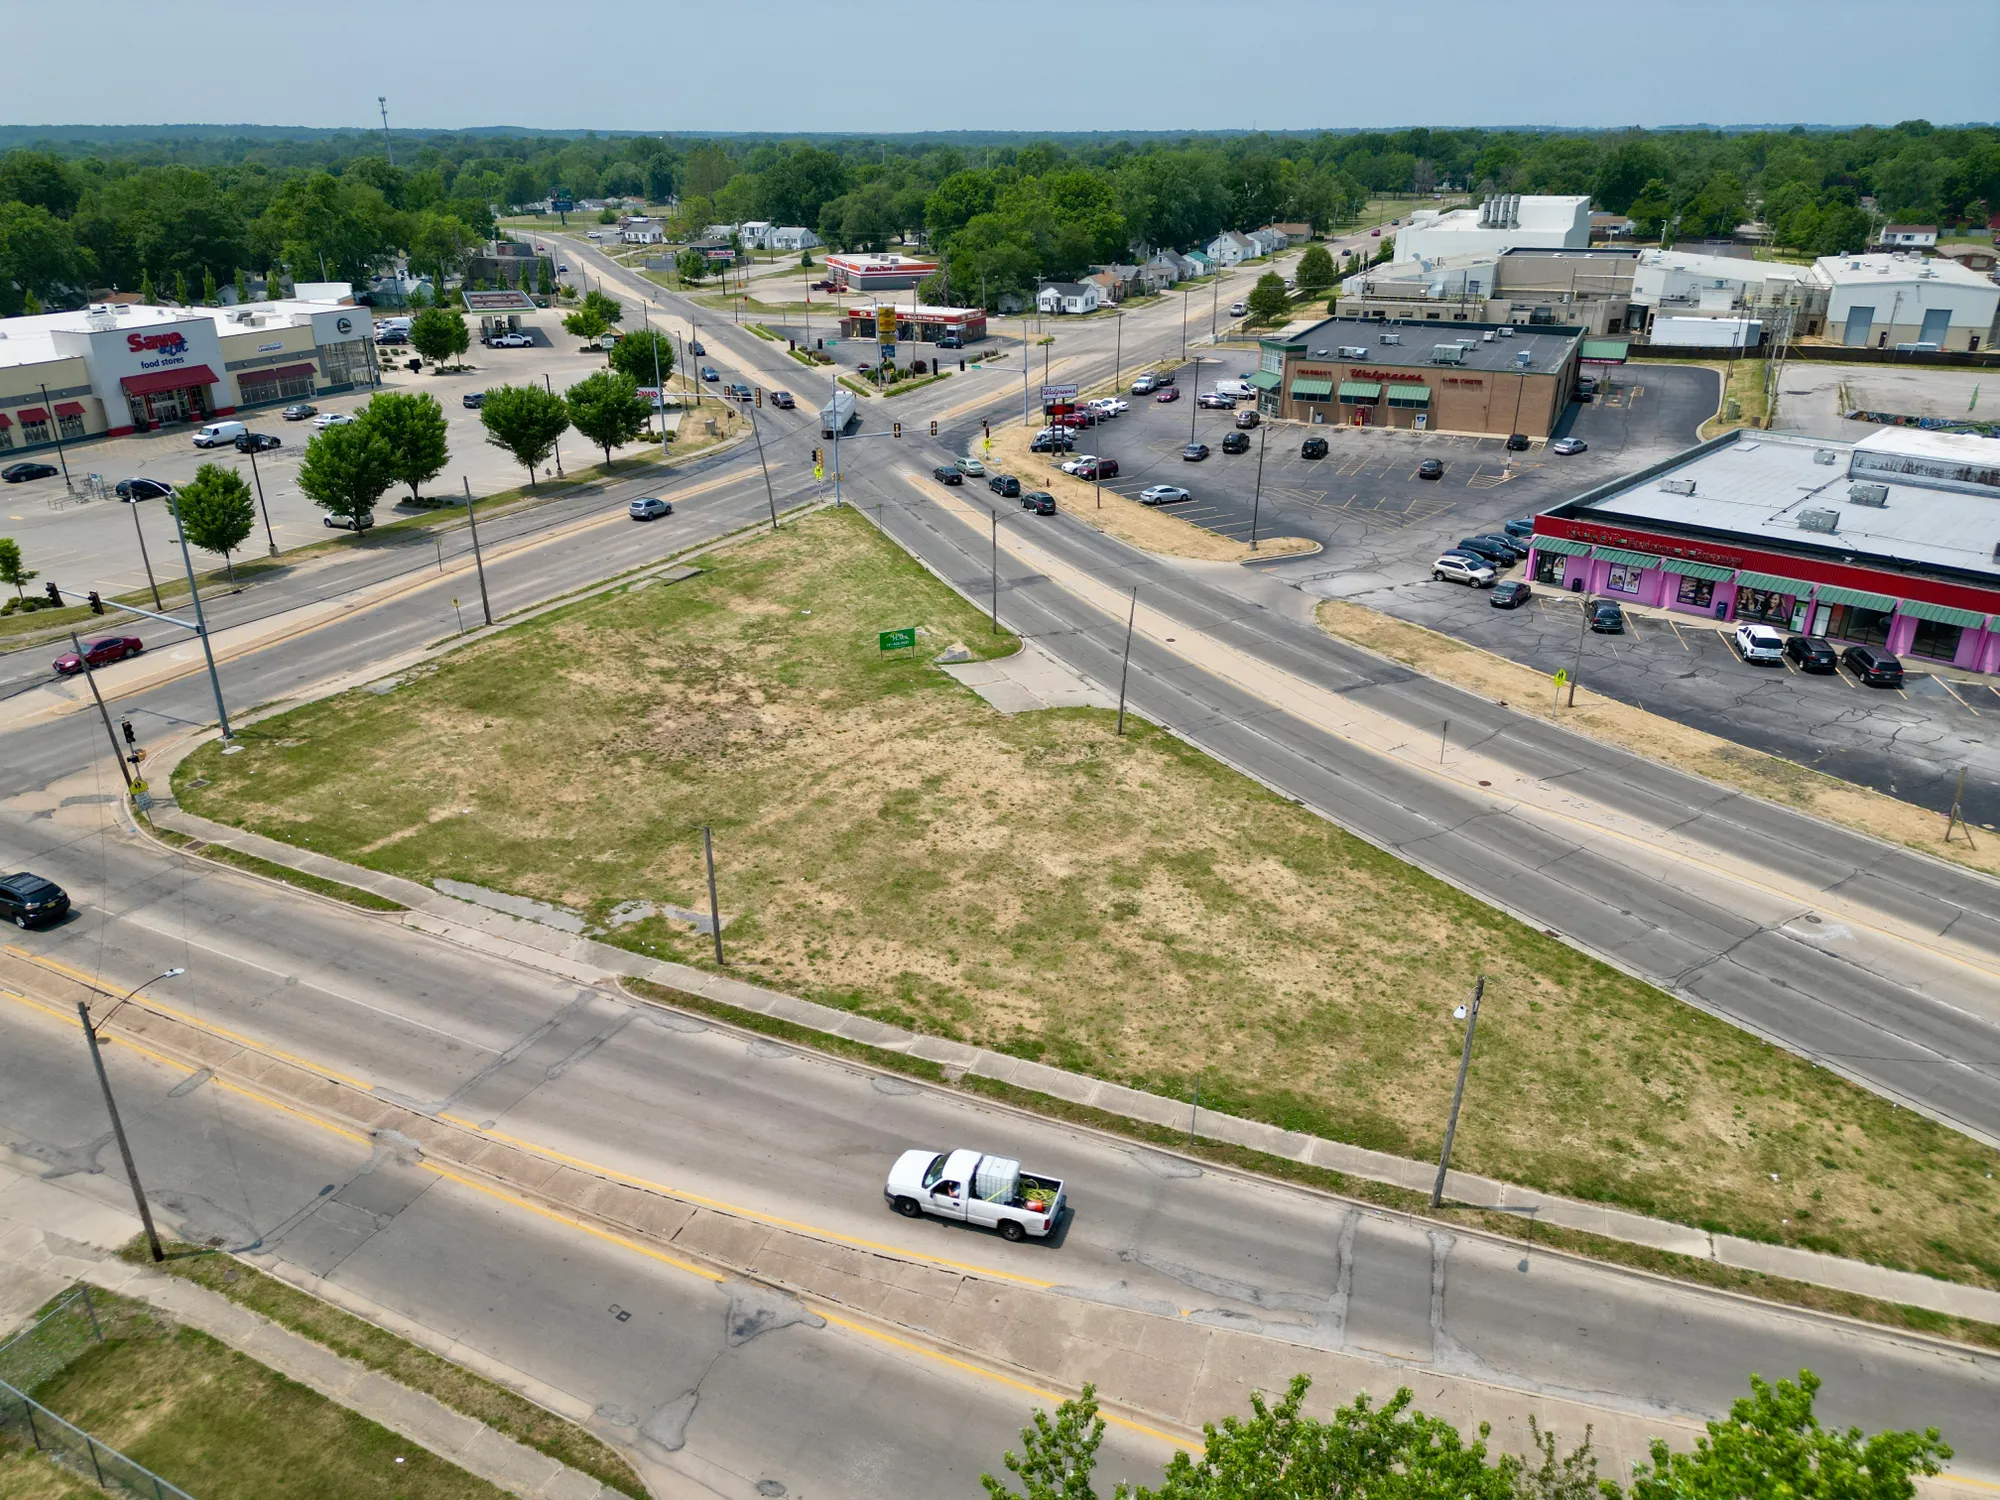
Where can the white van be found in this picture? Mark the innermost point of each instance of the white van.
(216, 434)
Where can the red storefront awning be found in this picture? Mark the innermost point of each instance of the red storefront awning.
(284, 370)
(5, 420)
(168, 380)
(69, 408)
(34, 414)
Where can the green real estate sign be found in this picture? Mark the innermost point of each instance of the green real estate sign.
(898, 640)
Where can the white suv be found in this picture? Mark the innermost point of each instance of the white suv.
(1463, 570)
(1760, 643)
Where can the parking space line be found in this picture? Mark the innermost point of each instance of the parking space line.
(1674, 626)
(1943, 683)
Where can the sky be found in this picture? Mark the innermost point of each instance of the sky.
(912, 65)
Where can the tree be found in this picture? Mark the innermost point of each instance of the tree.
(242, 287)
(692, 265)
(607, 409)
(217, 512)
(210, 293)
(439, 334)
(1315, 273)
(412, 426)
(525, 420)
(1269, 301)
(274, 289)
(147, 295)
(587, 323)
(346, 469)
(39, 255)
(1057, 1457)
(11, 570)
(634, 355)
(1773, 1444)
(605, 306)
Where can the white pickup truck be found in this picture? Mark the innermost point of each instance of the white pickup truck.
(990, 1191)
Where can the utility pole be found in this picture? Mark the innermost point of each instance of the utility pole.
(1125, 670)
(118, 754)
(200, 620)
(758, 434)
(659, 391)
(714, 911)
(1957, 819)
(1458, 1093)
(996, 570)
(478, 561)
(1257, 498)
(388, 146)
(1194, 404)
(144, 556)
(1024, 371)
(118, 1130)
(55, 426)
(1118, 358)
(1581, 626)
(257, 475)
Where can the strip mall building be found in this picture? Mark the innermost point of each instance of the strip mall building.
(1893, 541)
(109, 370)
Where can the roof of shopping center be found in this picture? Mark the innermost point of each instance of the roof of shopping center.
(1414, 340)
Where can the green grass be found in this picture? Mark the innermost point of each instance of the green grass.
(857, 387)
(1126, 908)
(904, 387)
(405, 1363)
(224, 1427)
(222, 854)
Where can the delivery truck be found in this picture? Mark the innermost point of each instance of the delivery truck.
(837, 416)
(989, 1191)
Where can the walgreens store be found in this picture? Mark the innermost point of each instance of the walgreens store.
(113, 369)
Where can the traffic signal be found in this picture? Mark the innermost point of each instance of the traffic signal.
(54, 593)
(96, 603)
(760, 395)
(933, 426)
(899, 428)
(816, 457)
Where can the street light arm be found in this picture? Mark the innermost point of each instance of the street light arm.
(105, 1019)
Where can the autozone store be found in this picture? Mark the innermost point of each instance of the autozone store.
(926, 325)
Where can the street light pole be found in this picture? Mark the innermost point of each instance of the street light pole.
(144, 556)
(549, 386)
(200, 620)
(1458, 1093)
(1256, 499)
(118, 1131)
(103, 713)
(1194, 405)
(1581, 626)
(257, 475)
(478, 561)
(55, 426)
(1125, 668)
(769, 495)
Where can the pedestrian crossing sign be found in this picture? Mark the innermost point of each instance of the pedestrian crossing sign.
(1562, 676)
(819, 471)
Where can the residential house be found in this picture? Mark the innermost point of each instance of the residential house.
(1980, 258)
(1126, 279)
(637, 229)
(792, 238)
(1272, 235)
(1110, 290)
(1611, 227)
(755, 233)
(1010, 302)
(1200, 263)
(1068, 297)
(1294, 232)
(1909, 236)
(1231, 248)
(1164, 269)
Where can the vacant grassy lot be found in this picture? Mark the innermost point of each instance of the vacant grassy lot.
(223, 1427)
(1127, 907)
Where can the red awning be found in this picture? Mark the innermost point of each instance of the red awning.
(69, 408)
(168, 380)
(284, 370)
(33, 414)
(5, 420)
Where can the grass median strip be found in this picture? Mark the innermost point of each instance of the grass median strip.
(1128, 908)
(406, 1363)
(222, 854)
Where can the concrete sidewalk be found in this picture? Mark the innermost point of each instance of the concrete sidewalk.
(51, 1238)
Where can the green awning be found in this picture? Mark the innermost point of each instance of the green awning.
(1944, 614)
(1605, 351)
(1360, 390)
(1559, 544)
(1265, 380)
(1409, 395)
(1881, 603)
(1712, 572)
(1308, 387)
(1771, 583)
(1630, 559)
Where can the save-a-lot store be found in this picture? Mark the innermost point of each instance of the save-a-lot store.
(120, 368)
(1893, 541)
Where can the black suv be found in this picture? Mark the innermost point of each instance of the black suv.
(1873, 665)
(30, 901)
(1236, 442)
(1005, 484)
(1313, 448)
(1810, 653)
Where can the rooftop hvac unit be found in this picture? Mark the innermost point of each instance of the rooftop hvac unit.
(1876, 495)
(1353, 351)
(1486, 337)
(1819, 519)
(1392, 338)
(1825, 456)
(1447, 354)
(1525, 358)
(1505, 333)
(1677, 486)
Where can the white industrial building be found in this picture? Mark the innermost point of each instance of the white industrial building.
(1687, 284)
(1503, 222)
(1889, 299)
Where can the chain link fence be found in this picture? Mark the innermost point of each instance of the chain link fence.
(39, 1354)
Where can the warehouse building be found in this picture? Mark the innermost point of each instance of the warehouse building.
(114, 369)
(1892, 300)
(1893, 541)
(1589, 288)
(1500, 223)
(1485, 378)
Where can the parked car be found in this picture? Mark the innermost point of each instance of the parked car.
(1453, 567)
(1479, 546)
(331, 419)
(1313, 447)
(783, 400)
(1513, 550)
(650, 508)
(950, 341)
(388, 338)
(1071, 465)
(1168, 393)
(1812, 653)
(1760, 644)
(99, 653)
(27, 900)
(971, 468)
(258, 442)
(1236, 442)
(1163, 494)
(1052, 442)
(1041, 502)
(1005, 484)
(708, 373)
(1194, 453)
(1521, 529)
(1510, 593)
(991, 1192)
(1238, 309)
(1076, 419)
(1145, 385)
(1517, 442)
(21, 473)
(1248, 419)
(1215, 401)
(513, 341)
(351, 523)
(1164, 377)
(1098, 468)
(1874, 666)
(1606, 618)
(1565, 446)
(946, 474)
(1431, 468)
(299, 412)
(474, 400)
(131, 491)
(215, 434)
(1111, 406)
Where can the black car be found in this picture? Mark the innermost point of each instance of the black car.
(1514, 549)
(1606, 618)
(474, 400)
(18, 473)
(1041, 502)
(1005, 484)
(1521, 529)
(1430, 468)
(1194, 453)
(299, 413)
(30, 901)
(946, 474)
(132, 490)
(697, 349)
(783, 400)
(1510, 593)
(1811, 653)
(1052, 442)
(1873, 665)
(1313, 448)
(257, 442)
(1517, 442)
(1482, 546)
(1236, 442)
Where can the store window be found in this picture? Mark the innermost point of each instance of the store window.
(6, 438)
(1936, 640)
(258, 387)
(1623, 579)
(1763, 604)
(1549, 567)
(34, 432)
(1851, 622)
(71, 424)
(1696, 592)
(345, 363)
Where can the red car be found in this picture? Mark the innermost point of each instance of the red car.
(1171, 393)
(100, 653)
(1077, 419)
